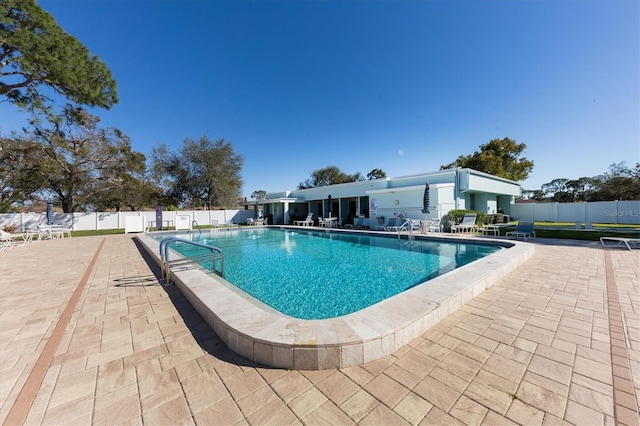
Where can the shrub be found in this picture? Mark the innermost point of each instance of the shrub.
(10, 228)
(454, 217)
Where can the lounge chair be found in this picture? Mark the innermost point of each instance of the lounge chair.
(413, 225)
(524, 229)
(6, 240)
(307, 222)
(396, 224)
(359, 223)
(622, 240)
(391, 222)
(468, 224)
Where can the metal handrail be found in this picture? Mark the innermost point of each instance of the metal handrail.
(408, 225)
(195, 222)
(214, 255)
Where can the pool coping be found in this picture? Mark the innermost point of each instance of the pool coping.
(261, 334)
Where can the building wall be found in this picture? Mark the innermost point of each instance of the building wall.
(449, 189)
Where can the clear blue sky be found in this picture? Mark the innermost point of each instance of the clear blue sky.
(403, 86)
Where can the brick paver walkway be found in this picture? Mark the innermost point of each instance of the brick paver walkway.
(555, 342)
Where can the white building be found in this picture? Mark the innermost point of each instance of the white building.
(377, 200)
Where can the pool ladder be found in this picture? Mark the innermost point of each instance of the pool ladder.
(409, 226)
(214, 255)
(194, 224)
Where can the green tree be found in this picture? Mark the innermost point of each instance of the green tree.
(557, 190)
(19, 171)
(203, 174)
(259, 195)
(330, 175)
(619, 183)
(580, 189)
(376, 174)
(499, 157)
(535, 194)
(128, 185)
(78, 160)
(35, 51)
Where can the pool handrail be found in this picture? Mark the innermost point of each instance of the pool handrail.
(194, 223)
(214, 254)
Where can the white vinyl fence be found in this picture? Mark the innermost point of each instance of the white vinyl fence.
(614, 212)
(101, 220)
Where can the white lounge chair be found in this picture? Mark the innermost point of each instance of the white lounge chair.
(622, 240)
(468, 224)
(413, 225)
(307, 222)
(524, 229)
(6, 240)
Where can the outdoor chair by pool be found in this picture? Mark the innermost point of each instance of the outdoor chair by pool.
(434, 226)
(468, 224)
(322, 222)
(524, 229)
(393, 221)
(307, 222)
(622, 240)
(414, 225)
(359, 223)
(6, 240)
(396, 224)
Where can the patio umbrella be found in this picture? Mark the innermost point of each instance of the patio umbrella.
(425, 199)
(330, 205)
(49, 212)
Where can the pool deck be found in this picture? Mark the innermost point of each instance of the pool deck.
(89, 335)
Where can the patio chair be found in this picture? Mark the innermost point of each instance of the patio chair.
(307, 222)
(413, 225)
(468, 224)
(359, 223)
(395, 224)
(6, 240)
(524, 229)
(391, 222)
(635, 242)
(434, 226)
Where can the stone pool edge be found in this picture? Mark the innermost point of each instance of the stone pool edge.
(268, 337)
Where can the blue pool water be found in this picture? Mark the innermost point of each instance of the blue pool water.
(319, 275)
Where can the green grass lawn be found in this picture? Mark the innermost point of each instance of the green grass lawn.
(563, 230)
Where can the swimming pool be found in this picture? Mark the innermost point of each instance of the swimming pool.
(264, 335)
(312, 274)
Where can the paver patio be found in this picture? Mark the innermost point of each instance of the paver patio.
(89, 335)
